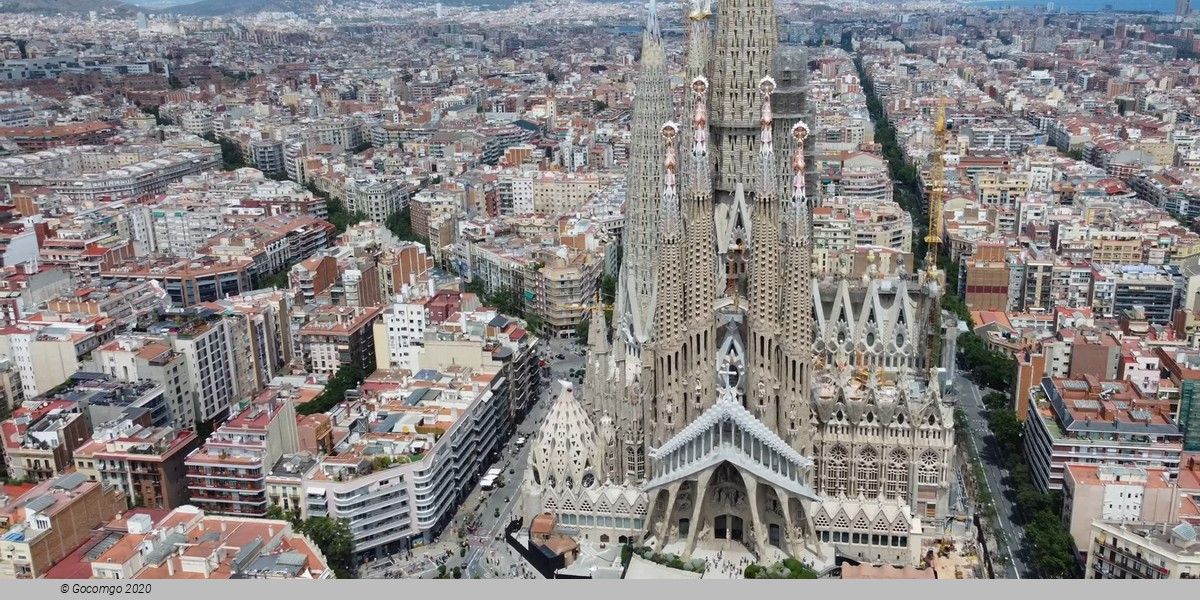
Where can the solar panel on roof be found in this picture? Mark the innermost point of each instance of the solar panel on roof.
(1185, 532)
(70, 482)
(102, 546)
(40, 503)
(1087, 404)
(294, 559)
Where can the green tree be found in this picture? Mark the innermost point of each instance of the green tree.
(231, 154)
(989, 368)
(400, 224)
(506, 301)
(457, 572)
(996, 401)
(533, 322)
(347, 378)
(1007, 429)
(599, 105)
(476, 286)
(582, 329)
(277, 280)
(336, 542)
(276, 512)
(608, 289)
(5, 413)
(1076, 154)
(340, 217)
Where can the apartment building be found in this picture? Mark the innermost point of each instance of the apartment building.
(344, 134)
(40, 438)
(562, 289)
(842, 224)
(205, 339)
(399, 334)
(145, 463)
(180, 229)
(190, 282)
(557, 193)
(1140, 551)
(285, 480)
(1182, 368)
(85, 258)
(45, 524)
(260, 328)
(1176, 191)
(335, 336)
(1110, 493)
(123, 301)
(228, 474)
(36, 138)
(429, 205)
(515, 193)
(377, 198)
(418, 446)
(492, 343)
(1094, 422)
(1154, 290)
(246, 192)
(134, 358)
(986, 282)
(186, 543)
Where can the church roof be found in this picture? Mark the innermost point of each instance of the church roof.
(728, 409)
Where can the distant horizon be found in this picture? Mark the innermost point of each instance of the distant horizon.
(1080, 6)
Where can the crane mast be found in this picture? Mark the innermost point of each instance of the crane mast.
(935, 279)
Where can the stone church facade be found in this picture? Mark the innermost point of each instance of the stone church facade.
(740, 397)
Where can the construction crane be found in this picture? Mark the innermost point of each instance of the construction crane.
(935, 279)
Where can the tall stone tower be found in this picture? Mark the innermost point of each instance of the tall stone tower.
(740, 393)
(651, 108)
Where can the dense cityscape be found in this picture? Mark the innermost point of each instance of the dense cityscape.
(754, 289)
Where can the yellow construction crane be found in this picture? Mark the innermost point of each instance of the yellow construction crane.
(933, 241)
(937, 188)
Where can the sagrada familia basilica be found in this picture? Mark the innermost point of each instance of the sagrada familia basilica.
(741, 398)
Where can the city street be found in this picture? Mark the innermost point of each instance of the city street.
(488, 554)
(1012, 549)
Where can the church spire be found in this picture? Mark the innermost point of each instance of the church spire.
(652, 28)
(796, 306)
(597, 382)
(651, 108)
(747, 35)
(668, 399)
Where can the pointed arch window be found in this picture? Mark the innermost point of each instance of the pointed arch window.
(837, 468)
(929, 468)
(897, 475)
(868, 473)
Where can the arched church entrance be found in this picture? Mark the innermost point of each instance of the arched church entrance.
(728, 527)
